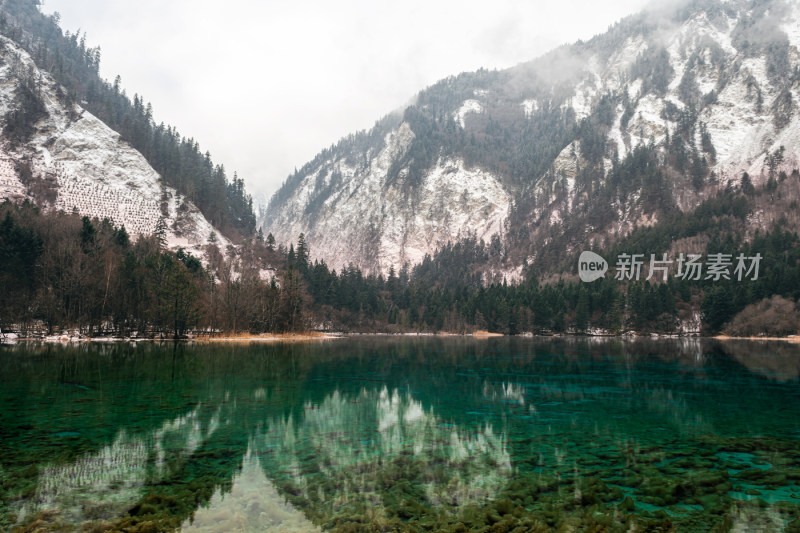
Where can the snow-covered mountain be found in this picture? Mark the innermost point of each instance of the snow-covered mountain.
(72, 161)
(707, 91)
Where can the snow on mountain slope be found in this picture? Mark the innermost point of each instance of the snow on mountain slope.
(378, 223)
(743, 131)
(723, 76)
(10, 185)
(88, 166)
(470, 106)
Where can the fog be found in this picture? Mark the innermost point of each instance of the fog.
(265, 85)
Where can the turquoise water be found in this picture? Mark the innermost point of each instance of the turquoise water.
(380, 434)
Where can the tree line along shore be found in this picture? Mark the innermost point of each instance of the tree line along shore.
(61, 272)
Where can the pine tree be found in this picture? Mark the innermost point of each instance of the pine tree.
(582, 310)
(161, 232)
(747, 185)
(88, 234)
(301, 259)
(121, 237)
(616, 314)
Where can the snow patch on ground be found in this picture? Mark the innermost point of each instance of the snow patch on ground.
(582, 102)
(397, 143)
(529, 107)
(635, 88)
(11, 188)
(616, 137)
(646, 122)
(620, 61)
(736, 132)
(469, 106)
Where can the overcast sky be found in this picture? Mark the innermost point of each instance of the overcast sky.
(265, 85)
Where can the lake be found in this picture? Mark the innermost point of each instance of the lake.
(401, 434)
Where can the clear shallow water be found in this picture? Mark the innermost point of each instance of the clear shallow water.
(399, 434)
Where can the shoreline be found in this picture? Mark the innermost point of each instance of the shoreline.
(321, 336)
(272, 337)
(793, 339)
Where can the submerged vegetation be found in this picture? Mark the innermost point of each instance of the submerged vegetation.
(402, 435)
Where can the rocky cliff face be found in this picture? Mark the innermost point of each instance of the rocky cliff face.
(705, 93)
(62, 157)
(374, 221)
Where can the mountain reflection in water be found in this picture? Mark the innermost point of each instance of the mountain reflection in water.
(398, 433)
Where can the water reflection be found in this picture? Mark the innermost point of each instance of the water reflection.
(109, 482)
(347, 450)
(776, 361)
(252, 504)
(395, 432)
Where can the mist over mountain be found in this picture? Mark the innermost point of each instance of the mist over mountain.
(577, 148)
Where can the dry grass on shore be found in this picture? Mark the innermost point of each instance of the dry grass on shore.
(795, 339)
(486, 334)
(267, 337)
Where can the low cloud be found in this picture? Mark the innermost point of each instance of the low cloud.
(265, 85)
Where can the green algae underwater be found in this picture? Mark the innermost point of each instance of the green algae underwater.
(401, 434)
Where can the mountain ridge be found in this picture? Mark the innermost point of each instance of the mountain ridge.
(710, 91)
(178, 160)
(73, 161)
